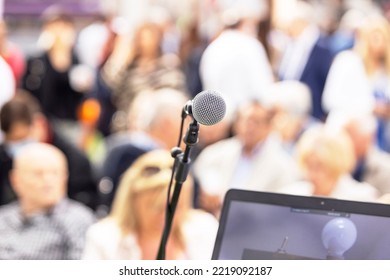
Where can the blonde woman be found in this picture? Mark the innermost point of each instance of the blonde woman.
(326, 159)
(134, 227)
(359, 79)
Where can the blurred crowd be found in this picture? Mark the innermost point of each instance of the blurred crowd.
(88, 122)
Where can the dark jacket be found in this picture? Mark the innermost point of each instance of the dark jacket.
(315, 73)
(52, 88)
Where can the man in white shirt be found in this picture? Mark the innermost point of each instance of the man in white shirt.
(235, 63)
(253, 159)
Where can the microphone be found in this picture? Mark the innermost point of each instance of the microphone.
(208, 107)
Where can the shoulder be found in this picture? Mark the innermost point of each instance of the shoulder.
(232, 142)
(200, 218)
(348, 56)
(378, 158)
(200, 231)
(9, 210)
(10, 218)
(126, 151)
(219, 150)
(298, 188)
(76, 212)
(105, 229)
(349, 188)
(276, 151)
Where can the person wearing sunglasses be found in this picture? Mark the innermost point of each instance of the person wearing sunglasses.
(134, 226)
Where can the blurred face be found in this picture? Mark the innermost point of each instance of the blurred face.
(150, 210)
(253, 125)
(319, 174)
(316, 171)
(287, 126)
(150, 207)
(19, 131)
(149, 42)
(296, 27)
(377, 44)
(63, 33)
(39, 180)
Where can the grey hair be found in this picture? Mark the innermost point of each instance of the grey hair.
(151, 106)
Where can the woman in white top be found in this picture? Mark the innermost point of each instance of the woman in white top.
(359, 79)
(327, 158)
(134, 227)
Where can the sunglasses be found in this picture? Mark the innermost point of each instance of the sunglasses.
(153, 170)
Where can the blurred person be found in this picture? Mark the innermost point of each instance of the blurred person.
(55, 76)
(291, 101)
(235, 63)
(23, 122)
(192, 47)
(253, 159)
(43, 224)
(372, 165)
(343, 38)
(307, 57)
(154, 123)
(7, 85)
(359, 79)
(327, 158)
(100, 90)
(91, 41)
(141, 66)
(171, 35)
(11, 53)
(133, 229)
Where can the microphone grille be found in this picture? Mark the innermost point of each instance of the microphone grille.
(208, 107)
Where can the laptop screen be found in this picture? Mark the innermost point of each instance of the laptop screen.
(258, 225)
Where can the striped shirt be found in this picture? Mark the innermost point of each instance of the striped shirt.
(56, 234)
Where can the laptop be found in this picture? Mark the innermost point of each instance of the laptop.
(273, 226)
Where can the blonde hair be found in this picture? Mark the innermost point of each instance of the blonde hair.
(333, 148)
(135, 181)
(371, 24)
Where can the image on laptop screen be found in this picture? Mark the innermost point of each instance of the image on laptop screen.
(259, 225)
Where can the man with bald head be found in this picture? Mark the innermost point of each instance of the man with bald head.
(43, 223)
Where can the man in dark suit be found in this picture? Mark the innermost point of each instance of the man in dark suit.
(308, 55)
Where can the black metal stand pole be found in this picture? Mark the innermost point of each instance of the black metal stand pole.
(182, 165)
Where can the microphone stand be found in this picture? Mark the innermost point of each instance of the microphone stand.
(182, 166)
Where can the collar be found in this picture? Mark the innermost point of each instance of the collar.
(308, 37)
(21, 219)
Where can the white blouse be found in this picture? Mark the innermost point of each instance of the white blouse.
(347, 87)
(105, 242)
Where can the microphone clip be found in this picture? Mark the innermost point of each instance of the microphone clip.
(187, 109)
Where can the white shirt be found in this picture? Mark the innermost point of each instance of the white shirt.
(7, 82)
(7, 85)
(347, 87)
(236, 65)
(104, 239)
(269, 169)
(297, 54)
